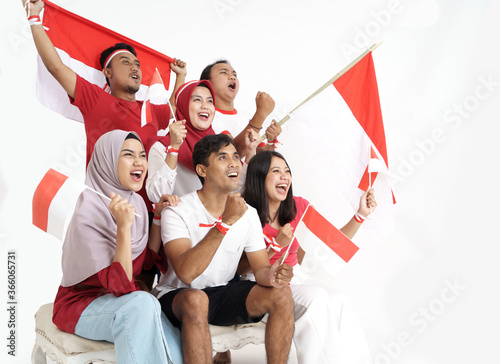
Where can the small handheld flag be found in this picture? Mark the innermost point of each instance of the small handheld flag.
(54, 202)
(324, 242)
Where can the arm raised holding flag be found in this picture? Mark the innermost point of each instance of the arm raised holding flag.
(46, 50)
(87, 68)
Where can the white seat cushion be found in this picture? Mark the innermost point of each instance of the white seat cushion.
(237, 336)
(223, 337)
(69, 344)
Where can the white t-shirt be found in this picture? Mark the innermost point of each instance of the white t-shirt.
(183, 221)
(231, 121)
(163, 180)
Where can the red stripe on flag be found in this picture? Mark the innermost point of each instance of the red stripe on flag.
(329, 234)
(147, 105)
(84, 40)
(43, 196)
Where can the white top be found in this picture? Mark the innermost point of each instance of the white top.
(183, 221)
(163, 180)
(234, 123)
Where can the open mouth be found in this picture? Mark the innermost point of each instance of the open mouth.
(135, 76)
(203, 116)
(232, 86)
(282, 187)
(232, 174)
(136, 175)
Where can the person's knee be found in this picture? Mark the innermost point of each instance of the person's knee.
(192, 303)
(140, 306)
(281, 299)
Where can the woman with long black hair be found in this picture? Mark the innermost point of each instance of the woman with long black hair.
(326, 328)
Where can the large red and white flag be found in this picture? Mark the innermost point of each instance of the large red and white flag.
(79, 43)
(54, 202)
(339, 130)
(324, 242)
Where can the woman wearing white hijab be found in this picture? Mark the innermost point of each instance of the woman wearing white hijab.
(105, 247)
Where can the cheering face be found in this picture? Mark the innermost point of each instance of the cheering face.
(225, 82)
(201, 108)
(125, 72)
(278, 180)
(132, 165)
(223, 170)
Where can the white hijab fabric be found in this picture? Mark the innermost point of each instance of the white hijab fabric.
(90, 242)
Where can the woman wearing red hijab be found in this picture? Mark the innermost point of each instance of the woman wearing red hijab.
(171, 168)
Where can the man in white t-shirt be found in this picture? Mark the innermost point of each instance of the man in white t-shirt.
(226, 84)
(204, 237)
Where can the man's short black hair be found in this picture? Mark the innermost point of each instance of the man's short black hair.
(207, 145)
(107, 52)
(205, 74)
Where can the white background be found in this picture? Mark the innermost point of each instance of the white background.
(430, 66)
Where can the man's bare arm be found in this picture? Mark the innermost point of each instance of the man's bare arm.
(62, 73)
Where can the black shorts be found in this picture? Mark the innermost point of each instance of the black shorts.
(226, 307)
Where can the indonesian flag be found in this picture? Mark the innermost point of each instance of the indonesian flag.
(54, 202)
(324, 242)
(79, 43)
(156, 94)
(342, 130)
(376, 163)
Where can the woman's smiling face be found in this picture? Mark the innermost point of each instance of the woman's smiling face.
(132, 165)
(201, 108)
(278, 180)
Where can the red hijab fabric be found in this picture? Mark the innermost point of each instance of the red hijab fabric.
(182, 99)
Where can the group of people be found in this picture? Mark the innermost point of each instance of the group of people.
(218, 247)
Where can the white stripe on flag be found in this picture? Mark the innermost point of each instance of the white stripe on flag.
(62, 207)
(157, 94)
(327, 125)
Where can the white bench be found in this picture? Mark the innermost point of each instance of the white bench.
(65, 348)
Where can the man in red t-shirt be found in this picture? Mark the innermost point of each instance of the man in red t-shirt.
(102, 111)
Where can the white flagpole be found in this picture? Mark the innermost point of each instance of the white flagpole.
(369, 171)
(328, 83)
(173, 113)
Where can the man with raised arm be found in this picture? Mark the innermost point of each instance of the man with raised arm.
(226, 84)
(204, 238)
(103, 111)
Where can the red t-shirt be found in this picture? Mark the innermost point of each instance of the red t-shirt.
(269, 230)
(103, 112)
(71, 301)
